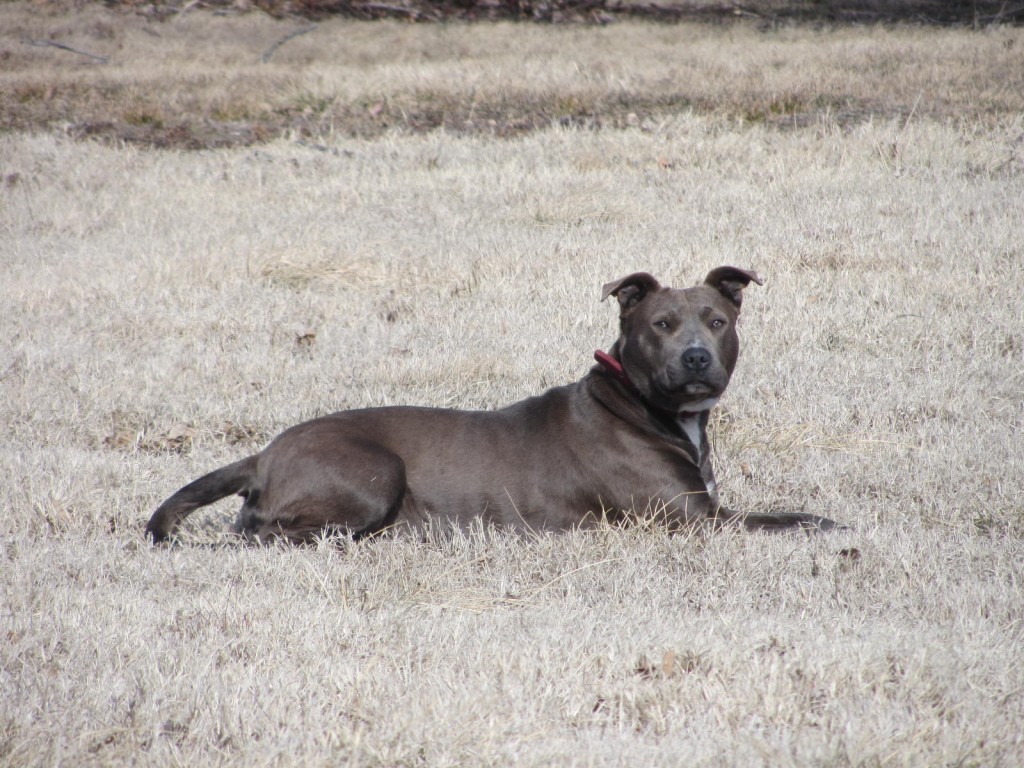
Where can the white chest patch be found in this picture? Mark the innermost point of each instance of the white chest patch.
(703, 405)
(691, 428)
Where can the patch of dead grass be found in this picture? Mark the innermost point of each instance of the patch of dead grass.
(297, 272)
(198, 81)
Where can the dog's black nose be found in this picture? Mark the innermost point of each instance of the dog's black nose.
(696, 358)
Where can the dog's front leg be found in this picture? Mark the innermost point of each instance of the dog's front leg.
(772, 522)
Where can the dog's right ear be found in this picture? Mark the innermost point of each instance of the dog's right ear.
(631, 289)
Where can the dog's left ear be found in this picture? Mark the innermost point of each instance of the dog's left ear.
(730, 282)
(631, 289)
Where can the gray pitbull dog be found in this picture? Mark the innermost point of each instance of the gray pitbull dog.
(629, 440)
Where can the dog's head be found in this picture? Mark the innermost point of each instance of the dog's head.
(679, 346)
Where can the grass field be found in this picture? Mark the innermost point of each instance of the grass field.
(242, 245)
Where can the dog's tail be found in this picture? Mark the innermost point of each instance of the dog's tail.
(234, 478)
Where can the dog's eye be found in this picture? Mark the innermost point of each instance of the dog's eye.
(661, 325)
(717, 322)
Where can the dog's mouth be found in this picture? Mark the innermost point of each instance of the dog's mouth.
(698, 389)
(680, 396)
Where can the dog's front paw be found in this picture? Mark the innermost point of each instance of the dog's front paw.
(789, 521)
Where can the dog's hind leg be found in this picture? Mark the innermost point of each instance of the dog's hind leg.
(355, 488)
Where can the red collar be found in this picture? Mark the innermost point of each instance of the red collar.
(615, 369)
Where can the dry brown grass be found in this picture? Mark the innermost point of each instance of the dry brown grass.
(200, 80)
(164, 312)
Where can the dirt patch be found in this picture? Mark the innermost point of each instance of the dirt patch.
(501, 119)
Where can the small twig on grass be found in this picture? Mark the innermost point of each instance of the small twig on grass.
(913, 110)
(290, 36)
(398, 10)
(184, 9)
(43, 43)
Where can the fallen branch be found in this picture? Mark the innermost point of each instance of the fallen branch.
(290, 36)
(43, 43)
(1004, 15)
